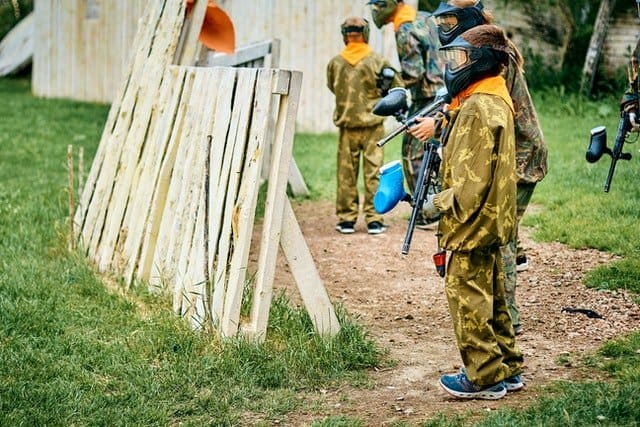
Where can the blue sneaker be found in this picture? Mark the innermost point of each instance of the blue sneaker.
(514, 383)
(459, 385)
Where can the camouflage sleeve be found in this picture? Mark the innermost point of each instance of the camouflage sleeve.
(330, 76)
(633, 69)
(410, 55)
(397, 80)
(470, 168)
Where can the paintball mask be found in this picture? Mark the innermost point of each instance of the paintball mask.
(453, 21)
(382, 11)
(355, 25)
(466, 64)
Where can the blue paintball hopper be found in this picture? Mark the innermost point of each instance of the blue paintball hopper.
(390, 189)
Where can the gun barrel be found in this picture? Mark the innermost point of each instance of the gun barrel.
(397, 131)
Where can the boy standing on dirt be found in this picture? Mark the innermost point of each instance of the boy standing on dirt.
(353, 77)
(477, 205)
(453, 18)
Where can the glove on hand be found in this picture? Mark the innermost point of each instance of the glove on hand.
(429, 210)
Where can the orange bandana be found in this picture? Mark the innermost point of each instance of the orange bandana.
(355, 51)
(491, 85)
(404, 13)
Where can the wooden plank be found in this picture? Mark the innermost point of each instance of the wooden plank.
(218, 177)
(230, 177)
(311, 287)
(188, 50)
(261, 133)
(148, 173)
(180, 224)
(165, 40)
(241, 56)
(17, 47)
(193, 191)
(166, 193)
(274, 205)
(114, 113)
(100, 183)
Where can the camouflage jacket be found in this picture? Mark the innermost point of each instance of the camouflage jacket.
(531, 150)
(355, 89)
(417, 43)
(478, 200)
(633, 69)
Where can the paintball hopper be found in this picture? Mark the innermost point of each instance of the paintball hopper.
(390, 189)
(395, 102)
(597, 144)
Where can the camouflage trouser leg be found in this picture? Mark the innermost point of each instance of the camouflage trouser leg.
(352, 142)
(372, 160)
(475, 292)
(525, 191)
(510, 252)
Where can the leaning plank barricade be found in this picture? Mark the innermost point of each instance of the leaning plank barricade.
(172, 193)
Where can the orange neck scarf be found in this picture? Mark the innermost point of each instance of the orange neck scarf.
(404, 13)
(353, 52)
(491, 85)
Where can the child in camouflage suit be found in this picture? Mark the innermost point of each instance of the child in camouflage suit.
(477, 205)
(630, 99)
(453, 18)
(352, 76)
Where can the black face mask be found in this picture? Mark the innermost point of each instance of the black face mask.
(467, 18)
(483, 61)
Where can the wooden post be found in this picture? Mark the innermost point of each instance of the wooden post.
(70, 192)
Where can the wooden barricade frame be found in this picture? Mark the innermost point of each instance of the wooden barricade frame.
(171, 195)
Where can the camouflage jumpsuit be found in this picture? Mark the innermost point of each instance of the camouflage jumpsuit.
(356, 94)
(531, 167)
(632, 72)
(478, 215)
(417, 43)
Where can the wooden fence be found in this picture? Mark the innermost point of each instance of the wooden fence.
(172, 192)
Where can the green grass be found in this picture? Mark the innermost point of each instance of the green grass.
(73, 353)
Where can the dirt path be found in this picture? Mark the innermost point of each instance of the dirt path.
(401, 301)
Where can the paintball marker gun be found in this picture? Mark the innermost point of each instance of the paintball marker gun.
(391, 189)
(598, 146)
(395, 104)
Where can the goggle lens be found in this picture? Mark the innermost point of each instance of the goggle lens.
(455, 58)
(447, 22)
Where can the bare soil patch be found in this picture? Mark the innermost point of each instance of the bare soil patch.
(400, 299)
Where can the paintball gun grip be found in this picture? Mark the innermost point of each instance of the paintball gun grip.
(417, 200)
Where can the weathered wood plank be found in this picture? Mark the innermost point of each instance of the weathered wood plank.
(260, 135)
(274, 205)
(165, 41)
(230, 177)
(166, 193)
(99, 184)
(149, 172)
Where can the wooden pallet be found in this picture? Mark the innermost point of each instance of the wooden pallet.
(172, 193)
